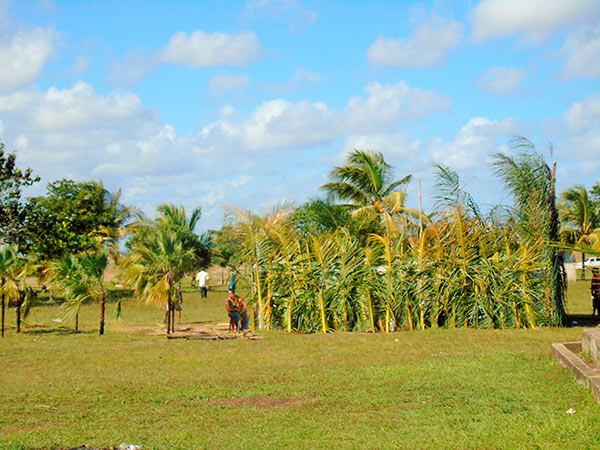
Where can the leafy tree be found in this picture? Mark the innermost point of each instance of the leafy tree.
(225, 249)
(14, 213)
(75, 218)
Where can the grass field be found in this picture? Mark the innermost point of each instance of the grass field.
(427, 389)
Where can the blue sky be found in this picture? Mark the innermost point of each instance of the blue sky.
(253, 102)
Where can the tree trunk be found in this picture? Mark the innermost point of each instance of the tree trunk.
(583, 266)
(18, 310)
(168, 317)
(77, 320)
(102, 310)
(3, 308)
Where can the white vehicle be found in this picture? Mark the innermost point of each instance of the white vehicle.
(589, 262)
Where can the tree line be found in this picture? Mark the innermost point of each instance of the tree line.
(357, 259)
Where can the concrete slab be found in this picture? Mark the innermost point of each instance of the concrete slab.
(590, 342)
(566, 354)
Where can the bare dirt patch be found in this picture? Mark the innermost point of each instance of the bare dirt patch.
(261, 401)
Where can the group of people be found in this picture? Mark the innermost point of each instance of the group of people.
(234, 304)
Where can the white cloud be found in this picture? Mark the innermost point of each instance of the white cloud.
(74, 127)
(386, 107)
(393, 145)
(224, 82)
(474, 143)
(501, 80)
(79, 133)
(134, 68)
(81, 65)
(81, 107)
(281, 124)
(23, 55)
(534, 19)
(582, 115)
(584, 146)
(583, 120)
(201, 49)
(427, 46)
(301, 78)
(297, 15)
(582, 53)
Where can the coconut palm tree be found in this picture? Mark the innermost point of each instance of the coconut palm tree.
(9, 270)
(366, 183)
(80, 278)
(155, 264)
(532, 184)
(64, 274)
(26, 267)
(579, 215)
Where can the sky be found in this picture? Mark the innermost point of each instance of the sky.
(251, 103)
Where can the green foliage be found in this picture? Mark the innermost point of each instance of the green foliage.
(175, 220)
(155, 263)
(78, 279)
(225, 248)
(308, 272)
(532, 184)
(74, 218)
(14, 213)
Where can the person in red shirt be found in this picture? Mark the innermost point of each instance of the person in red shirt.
(595, 290)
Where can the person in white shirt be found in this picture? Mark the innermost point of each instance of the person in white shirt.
(202, 280)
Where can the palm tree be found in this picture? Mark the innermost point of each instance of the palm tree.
(108, 235)
(27, 266)
(366, 183)
(80, 279)
(175, 216)
(579, 214)
(156, 262)
(532, 184)
(64, 274)
(9, 268)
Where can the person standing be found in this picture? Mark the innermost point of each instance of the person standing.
(202, 280)
(595, 291)
(232, 282)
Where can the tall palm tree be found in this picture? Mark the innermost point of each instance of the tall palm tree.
(578, 212)
(154, 265)
(366, 183)
(532, 184)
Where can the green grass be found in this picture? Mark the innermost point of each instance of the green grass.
(427, 389)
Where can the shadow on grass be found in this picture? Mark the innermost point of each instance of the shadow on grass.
(583, 320)
(58, 331)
